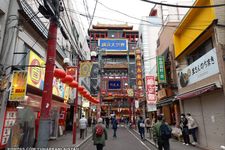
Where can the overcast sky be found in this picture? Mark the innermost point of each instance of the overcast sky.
(135, 8)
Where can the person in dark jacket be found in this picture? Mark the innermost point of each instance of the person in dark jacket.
(141, 127)
(184, 129)
(114, 126)
(99, 141)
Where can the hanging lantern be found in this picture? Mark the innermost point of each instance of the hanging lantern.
(80, 88)
(103, 92)
(59, 73)
(110, 94)
(73, 84)
(68, 79)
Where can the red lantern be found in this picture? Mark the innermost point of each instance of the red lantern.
(73, 84)
(110, 94)
(80, 88)
(68, 79)
(59, 73)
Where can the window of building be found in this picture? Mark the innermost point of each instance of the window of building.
(200, 51)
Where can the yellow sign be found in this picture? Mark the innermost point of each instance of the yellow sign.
(85, 68)
(130, 92)
(19, 86)
(36, 74)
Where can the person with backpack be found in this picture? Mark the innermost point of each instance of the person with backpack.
(192, 128)
(162, 133)
(99, 135)
(114, 126)
(141, 127)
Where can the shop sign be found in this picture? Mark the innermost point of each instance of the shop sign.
(151, 107)
(36, 75)
(150, 90)
(113, 44)
(161, 73)
(85, 68)
(85, 103)
(139, 81)
(136, 104)
(19, 86)
(161, 93)
(9, 121)
(204, 67)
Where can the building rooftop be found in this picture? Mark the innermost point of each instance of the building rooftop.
(112, 26)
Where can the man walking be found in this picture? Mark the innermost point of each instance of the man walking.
(141, 127)
(99, 135)
(82, 126)
(162, 133)
(114, 126)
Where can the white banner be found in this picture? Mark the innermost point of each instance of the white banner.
(136, 104)
(204, 67)
(151, 107)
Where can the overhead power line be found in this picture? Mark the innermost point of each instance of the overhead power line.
(183, 6)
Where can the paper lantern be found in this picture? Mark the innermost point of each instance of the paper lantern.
(59, 73)
(73, 84)
(68, 79)
(80, 88)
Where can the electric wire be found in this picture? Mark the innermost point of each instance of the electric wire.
(184, 6)
(93, 15)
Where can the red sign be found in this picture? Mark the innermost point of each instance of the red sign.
(150, 90)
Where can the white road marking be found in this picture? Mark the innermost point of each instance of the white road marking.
(139, 140)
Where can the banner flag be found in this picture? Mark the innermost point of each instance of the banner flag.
(85, 68)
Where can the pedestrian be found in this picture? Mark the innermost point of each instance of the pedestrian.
(107, 122)
(162, 133)
(82, 126)
(147, 124)
(99, 135)
(184, 129)
(141, 127)
(114, 126)
(89, 122)
(192, 127)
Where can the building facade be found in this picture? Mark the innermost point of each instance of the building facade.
(199, 52)
(115, 61)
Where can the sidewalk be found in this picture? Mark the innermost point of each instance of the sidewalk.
(66, 140)
(174, 144)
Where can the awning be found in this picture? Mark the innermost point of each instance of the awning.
(197, 92)
(165, 101)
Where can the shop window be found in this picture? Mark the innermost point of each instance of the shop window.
(200, 51)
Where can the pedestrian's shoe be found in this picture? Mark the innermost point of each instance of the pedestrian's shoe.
(193, 143)
(187, 144)
(184, 143)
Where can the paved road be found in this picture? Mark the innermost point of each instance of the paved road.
(125, 140)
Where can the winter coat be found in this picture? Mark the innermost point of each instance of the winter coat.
(83, 123)
(99, 139)
(147, 123)
(191, 123)
(156, 131)
(183, 123)
(114, 124)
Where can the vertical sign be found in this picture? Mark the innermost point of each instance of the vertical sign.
(161, 73)
(9, 121)
(19, 86)
(150, 90)
(139, 81)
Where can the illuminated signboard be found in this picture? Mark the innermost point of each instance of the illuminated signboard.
(113, 44)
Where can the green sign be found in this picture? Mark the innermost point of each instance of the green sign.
(161, 73)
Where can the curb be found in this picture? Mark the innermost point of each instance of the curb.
(84, 141)
(151, 142)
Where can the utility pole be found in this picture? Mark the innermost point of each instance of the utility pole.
(52, 8)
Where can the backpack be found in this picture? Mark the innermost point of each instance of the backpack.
(148, 122)
(165, 132)
(99, 130)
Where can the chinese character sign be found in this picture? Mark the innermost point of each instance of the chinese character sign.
(113, 44)
(161, 73)
(138, 68)
(150, 90)
(114, 85)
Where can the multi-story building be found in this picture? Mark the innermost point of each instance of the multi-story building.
(199, 53)
(116, 48)
(25, 53)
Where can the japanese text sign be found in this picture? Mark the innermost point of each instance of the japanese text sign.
(113, 44)
(150, 90)
(161, 73)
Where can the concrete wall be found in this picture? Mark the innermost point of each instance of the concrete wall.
(208, 110)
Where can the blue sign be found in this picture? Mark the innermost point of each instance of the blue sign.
(113, 44)
(114, 85)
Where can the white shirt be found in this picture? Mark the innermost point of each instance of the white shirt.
(83, 123)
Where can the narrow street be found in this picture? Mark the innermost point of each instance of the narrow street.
(125, 140)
